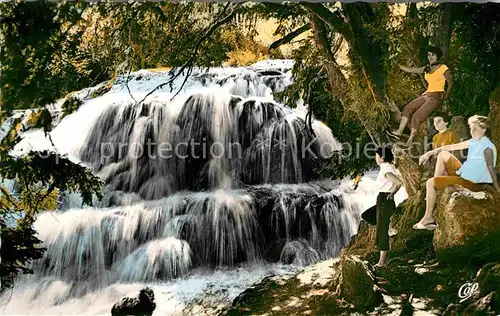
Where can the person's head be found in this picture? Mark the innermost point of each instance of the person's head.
(441, 121)
(384, 154)
(478, 126)
(434, 54)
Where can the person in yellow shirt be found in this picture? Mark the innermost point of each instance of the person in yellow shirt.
(445, 135)
(417, 111)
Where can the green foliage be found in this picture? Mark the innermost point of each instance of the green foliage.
(143, 35)
(20, 246)
(244, 50)
(54, 171)
(405, 44)
(70, 105)
(39, 176)
(473, 56)
(369, 53)
(52, 48)
(37, 36)
(311, 84)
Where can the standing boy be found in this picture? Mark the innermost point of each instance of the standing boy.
(388, 184)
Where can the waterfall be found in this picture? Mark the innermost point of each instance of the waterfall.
(219, 177)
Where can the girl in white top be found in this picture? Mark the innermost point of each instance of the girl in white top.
(388, 184)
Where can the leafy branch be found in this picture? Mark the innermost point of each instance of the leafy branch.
(190, 62)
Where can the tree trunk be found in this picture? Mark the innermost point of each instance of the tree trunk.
(411, 11)
(367, 50)
(338, 81)
(369, 53)
(442, 37)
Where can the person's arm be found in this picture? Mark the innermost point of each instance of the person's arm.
(412, 70)
(424, 82)
(395, 179)
(488, 156)
(434, 139)
(449, 80)
(453, 147)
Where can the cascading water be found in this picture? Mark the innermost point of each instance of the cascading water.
(218, 177)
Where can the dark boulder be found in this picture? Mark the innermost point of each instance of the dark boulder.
(358, 284)
(468, 226)
(142, 305)
(488, 280)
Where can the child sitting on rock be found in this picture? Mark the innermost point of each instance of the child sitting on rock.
(380, 214)
(445, 135)
(478, 169)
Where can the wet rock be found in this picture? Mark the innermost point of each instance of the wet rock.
(482, 306)
(407, 308)
(270, 73)
(298, 252)
(468, 228)
(210, 304)
(488, 280)
(142, 305)
(102, 89)
(452, 310)
(363, 242)
(358, 284)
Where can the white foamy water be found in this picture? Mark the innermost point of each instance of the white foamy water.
(193, 226)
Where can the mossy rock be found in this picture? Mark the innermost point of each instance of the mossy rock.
(72, 104)
(363, 243)
(358, 284)
(482, 306)
(489, 281)
(408, 242)
(103, 89)
(468, 228)
(439, 285)
(33, 118)
(276, 297)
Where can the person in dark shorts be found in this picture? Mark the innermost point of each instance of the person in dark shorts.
(380, 214)
(418, 110)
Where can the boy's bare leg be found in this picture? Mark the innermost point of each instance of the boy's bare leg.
(383, 259)
(442, 159)
(402, 125)
(431, 197)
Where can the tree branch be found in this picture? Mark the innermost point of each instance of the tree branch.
(333, 19)
(290, 36)
(309, 115)
(190, 62)
(126, 84)
(337, 44)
